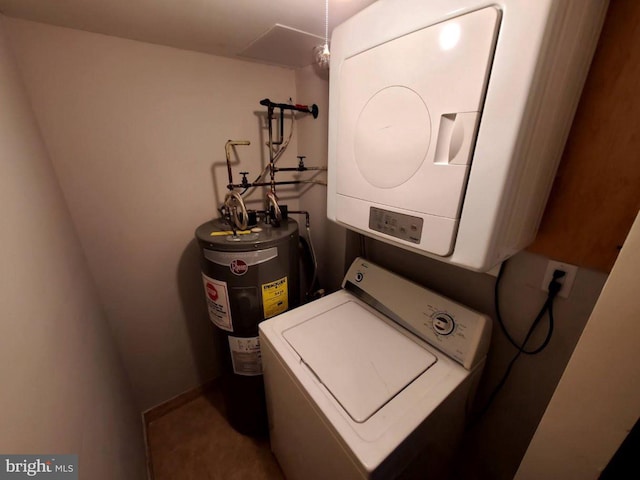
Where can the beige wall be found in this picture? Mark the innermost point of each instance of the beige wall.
(597, 401)
(328, 237)
(136, 134)
(63, 386)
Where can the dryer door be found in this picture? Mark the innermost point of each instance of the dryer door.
(361, 360)
(408, 114)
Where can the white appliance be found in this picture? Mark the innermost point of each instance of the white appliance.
(448, 118)
(373, 381)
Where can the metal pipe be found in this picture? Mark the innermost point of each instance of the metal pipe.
(282, 106)
(271, 155)
(302, 212)
(280, 140)
(231, 186)
(273, 201)
(277, 155)
(311, 249)
(313, 109)
(298, 169)
(227, 148)
(233, 210)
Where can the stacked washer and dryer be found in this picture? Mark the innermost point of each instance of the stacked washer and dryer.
(447, 121)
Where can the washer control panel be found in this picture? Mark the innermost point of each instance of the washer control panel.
(454, 329)
(443, 323)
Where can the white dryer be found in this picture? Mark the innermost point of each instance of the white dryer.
(447, 120)
(373, 381)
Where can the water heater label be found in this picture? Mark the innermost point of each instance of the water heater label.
(275, 297)
(245, 355)
(249, 258)
(217, 295)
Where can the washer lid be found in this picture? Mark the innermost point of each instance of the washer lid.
(362, 360)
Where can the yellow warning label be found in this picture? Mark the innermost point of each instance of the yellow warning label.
(275, 298)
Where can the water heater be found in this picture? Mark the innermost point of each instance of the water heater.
(448, 118)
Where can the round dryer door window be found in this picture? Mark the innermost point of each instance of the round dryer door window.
(392, 136)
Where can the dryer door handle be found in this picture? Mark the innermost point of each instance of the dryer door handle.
(456, 138)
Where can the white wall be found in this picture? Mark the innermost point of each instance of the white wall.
(597, 401)
(136, 134)
(63, 386)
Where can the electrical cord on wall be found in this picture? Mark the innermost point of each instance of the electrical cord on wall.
(547, 308)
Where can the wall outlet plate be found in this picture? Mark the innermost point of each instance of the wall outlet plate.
(566, 281)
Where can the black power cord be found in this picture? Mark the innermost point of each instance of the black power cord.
(547, 308)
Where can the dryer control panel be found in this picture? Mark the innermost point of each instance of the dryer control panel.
(404, 227)
(461, 333)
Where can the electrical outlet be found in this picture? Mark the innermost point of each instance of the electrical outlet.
(566, 281)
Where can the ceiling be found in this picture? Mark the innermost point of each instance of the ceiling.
(231, 28)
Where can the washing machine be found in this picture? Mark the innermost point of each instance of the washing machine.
(373, 381)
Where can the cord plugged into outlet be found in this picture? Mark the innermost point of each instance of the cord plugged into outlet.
(566, 280)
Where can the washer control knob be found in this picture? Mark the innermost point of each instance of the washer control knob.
(443, 323)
